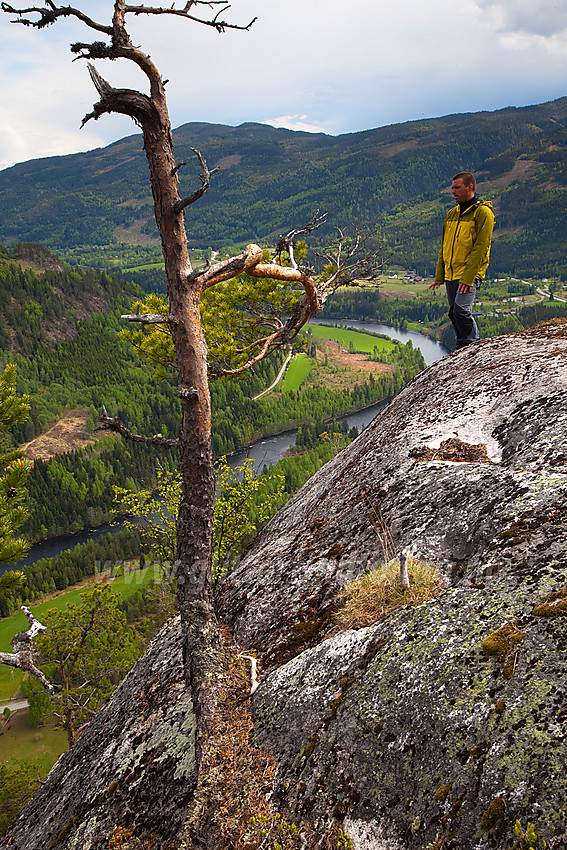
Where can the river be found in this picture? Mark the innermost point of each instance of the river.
(265, 452)
(430, 348)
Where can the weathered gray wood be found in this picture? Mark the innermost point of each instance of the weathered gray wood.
(24, 656)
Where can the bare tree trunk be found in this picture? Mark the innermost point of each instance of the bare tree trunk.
(69, 726)
(194, 522)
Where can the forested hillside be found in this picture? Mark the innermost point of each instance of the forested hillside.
(95, 205)
(41, 302)
(61, 325)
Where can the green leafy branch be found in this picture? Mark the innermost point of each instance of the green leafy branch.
(244, 502)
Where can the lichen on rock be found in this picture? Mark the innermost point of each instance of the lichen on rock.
(405, 732)
(132, 768)
(431, 710)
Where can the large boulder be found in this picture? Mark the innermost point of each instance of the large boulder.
(439, 725)
(132, 770)
(435, 727)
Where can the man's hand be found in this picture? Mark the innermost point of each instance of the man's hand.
(435, 284)
(463, 288)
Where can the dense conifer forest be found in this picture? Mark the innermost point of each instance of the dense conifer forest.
(70, 357)
(317, 443)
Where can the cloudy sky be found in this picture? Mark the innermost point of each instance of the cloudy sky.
(317, 65)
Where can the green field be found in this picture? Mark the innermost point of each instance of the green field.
(144, 267)
(10, 677)
(19, 741)
(297, 372)
(361, 341)
(408, 288)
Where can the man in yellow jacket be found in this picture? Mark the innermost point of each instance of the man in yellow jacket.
(463, 258)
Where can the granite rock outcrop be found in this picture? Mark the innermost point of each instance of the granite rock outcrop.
(441, 725)
(437, 726)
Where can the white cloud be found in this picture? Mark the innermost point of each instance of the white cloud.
(555, 45)
(533, 17)
(45, 96)
(294, 122)
(22, 139)
(535, 32)
(315, 65)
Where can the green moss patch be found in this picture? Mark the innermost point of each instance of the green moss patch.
(554, 604)
(442, 793)
(503, 641)
(493, 814)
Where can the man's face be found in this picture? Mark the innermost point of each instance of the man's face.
(461, 191)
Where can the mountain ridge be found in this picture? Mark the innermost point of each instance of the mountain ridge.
(393, 178)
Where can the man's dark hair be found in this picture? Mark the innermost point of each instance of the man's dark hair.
(467, 178)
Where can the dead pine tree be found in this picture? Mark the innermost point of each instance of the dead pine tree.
(346, 259)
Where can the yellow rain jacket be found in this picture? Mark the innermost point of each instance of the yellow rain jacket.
(465, 245)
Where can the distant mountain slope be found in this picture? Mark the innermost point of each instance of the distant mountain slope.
(272, 179)
(41, 302)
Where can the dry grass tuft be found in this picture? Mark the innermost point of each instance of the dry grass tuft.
(380, 592)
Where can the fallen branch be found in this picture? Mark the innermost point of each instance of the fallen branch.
(25, 653)
(253, 672)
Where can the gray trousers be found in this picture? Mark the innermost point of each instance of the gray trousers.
(460, 312)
